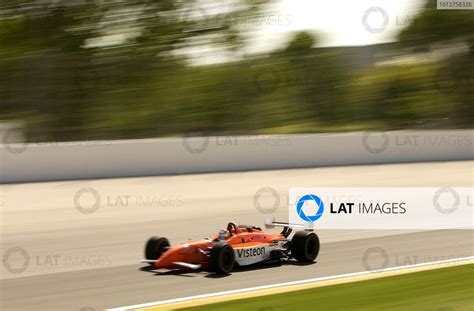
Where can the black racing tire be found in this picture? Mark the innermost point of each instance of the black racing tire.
(155, 247)
(305, 246)
(222, 258)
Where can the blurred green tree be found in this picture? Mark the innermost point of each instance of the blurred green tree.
(443, 28)
(74, 68)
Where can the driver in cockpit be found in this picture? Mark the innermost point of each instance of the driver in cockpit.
(223, 235)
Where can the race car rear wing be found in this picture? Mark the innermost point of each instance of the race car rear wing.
(287, 227)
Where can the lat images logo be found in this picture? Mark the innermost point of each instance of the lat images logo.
(304, 213)
(381, 207)
(379, 26)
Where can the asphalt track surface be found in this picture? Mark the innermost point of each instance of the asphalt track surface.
(55, 257)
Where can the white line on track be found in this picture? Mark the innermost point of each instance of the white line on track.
(319, 279)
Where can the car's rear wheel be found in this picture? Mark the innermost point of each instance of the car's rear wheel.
(305, 246)
(222, 258)
(155, 247)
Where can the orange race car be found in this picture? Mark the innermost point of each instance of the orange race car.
(242, 245)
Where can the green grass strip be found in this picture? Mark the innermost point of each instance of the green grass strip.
(447, 289)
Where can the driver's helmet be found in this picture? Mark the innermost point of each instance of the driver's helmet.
(223, 234)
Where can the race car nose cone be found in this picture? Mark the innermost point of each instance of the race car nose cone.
(168, 258)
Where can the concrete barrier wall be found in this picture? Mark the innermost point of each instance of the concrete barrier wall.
(124, 158)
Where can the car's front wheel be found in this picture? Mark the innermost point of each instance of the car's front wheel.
(155, 247)
(222, 258)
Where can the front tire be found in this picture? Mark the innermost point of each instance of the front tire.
(222, 258)
(155, 247)
(305, 246)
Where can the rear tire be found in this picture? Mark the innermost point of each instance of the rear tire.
(155, 247)
(305, 246)
(222, 258)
